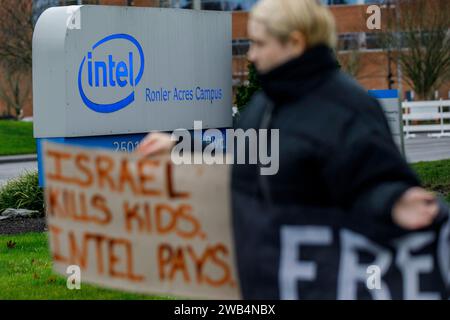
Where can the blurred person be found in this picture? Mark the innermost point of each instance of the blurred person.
(343, 190)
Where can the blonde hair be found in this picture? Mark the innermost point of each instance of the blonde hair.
(282, 17)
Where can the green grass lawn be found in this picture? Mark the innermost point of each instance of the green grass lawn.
(16, 137)
(25, 273)
(435, 176)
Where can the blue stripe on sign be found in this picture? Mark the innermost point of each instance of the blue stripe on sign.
(383, 94)
(123, 142)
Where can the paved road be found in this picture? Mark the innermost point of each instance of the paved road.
(12, 170)
(417, 149)
(427, 149)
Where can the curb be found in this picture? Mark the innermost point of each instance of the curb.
(18, 158)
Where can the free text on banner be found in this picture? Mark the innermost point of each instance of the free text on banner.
(140, 224)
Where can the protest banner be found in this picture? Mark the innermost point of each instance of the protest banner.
(140, 224)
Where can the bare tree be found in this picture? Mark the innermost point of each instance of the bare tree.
(418, 31)
(15, 88)
(348, 53)
(16, 32)
(350, 61)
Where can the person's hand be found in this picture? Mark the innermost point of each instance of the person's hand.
(416, 209)
(155, 143)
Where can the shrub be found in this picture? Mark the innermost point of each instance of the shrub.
(23, 193)
(245, 92)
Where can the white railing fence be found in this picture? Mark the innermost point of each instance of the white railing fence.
(427, 117)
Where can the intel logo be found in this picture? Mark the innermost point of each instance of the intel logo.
(110, 71)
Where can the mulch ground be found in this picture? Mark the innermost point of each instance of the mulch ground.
(22, 225)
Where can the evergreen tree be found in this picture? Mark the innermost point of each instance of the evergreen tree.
(245, 92)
